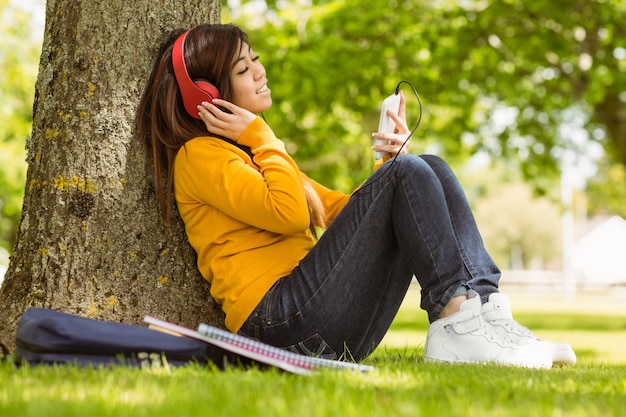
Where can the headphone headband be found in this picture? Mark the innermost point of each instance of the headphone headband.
(193, 92)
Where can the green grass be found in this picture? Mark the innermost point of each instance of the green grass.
(401, 385)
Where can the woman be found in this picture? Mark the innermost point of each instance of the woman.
(252, 216)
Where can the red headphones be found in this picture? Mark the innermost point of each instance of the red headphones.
(193, 92)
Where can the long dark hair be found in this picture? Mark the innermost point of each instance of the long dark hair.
(162, 123)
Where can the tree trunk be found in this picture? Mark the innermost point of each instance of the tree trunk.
(91, 241)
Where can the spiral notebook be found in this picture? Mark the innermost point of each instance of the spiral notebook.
(254, 350)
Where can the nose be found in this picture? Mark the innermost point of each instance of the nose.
(259, 70)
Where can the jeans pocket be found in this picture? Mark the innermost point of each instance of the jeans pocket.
(314, 346)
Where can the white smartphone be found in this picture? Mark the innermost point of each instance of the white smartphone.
(386, 123)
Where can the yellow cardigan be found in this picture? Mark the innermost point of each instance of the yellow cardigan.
(246, 219)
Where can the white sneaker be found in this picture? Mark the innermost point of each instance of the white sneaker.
(497, 312)
(465, 337)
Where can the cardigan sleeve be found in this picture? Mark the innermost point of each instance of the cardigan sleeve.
(266, 192)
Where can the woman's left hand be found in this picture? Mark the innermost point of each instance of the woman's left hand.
(227, 120)
(400, 134)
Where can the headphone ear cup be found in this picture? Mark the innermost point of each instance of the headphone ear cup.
(209, 88)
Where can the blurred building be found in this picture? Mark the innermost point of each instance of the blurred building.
(599, 257)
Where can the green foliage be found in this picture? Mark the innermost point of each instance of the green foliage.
(331, 62)
(606, 193)
(18, 59)
(521, 231)
(494, 76)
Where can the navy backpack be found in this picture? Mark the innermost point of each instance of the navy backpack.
(47, 336)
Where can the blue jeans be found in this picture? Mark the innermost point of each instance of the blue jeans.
(410, 218)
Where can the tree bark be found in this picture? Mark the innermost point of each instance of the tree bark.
(91, 241)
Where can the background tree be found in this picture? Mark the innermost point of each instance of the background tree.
(521, 230)
(91, 241)
(18, 58)
(606, 192)
(502, 77)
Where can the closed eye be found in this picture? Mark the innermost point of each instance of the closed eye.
(243, 71)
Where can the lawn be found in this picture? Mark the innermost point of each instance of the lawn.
(401, 385)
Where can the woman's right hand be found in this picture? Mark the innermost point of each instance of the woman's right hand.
(396, 142)
(230, 123)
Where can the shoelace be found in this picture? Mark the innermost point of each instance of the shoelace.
(493, 335)
(514, 327)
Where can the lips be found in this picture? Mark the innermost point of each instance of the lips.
(263, 89)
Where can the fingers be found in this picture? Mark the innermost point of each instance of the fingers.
(391, 143)
(214, 118)
(225, 118)
(216, 115)
(392, 149)
(209, 111)
(224, 106)
(399, 119)
(402, 110)
(392, 139)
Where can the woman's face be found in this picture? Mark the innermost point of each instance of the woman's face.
(249, 82)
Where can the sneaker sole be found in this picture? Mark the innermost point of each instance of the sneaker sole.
(430, 359)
